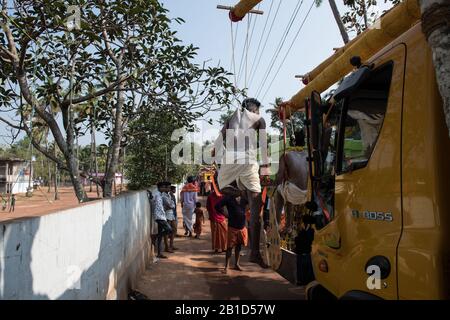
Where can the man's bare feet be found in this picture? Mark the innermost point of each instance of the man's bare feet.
(225, 271)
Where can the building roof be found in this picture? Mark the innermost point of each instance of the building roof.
(12, 159)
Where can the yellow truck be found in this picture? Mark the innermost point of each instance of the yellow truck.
(382, 218)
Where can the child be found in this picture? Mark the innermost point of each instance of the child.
(199, 220)
(237, 232)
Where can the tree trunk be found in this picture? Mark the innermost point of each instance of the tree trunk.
(91, 158)
(114, 152)
(337, 17)
(364, 8)
(435, 17)
(71, 152)
(55, 175)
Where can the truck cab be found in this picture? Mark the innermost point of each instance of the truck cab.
(380, 177)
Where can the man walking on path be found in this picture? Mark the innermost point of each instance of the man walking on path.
(160, 216)
(218, 223)
(188, 201)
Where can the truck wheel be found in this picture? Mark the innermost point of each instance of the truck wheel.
(315, 291)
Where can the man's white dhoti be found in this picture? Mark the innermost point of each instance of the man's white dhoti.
(188, 217)
(245, 175)
(239, 160)
(292, 194)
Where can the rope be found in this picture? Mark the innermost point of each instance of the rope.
(244, 49)
(233, 61)
(246, 53)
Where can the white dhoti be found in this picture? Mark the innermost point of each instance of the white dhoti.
(245, 175)
(292, 194)
(188, 217)
(238, 157)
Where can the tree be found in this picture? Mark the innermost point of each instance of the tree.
(149, 154)
(435, 25)
(358, 18)
(224, 117)
(123, 55)
(337, 17)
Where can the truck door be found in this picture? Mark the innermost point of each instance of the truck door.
(365, 224)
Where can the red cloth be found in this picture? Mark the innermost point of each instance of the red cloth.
(211, 202)
(236, 237)
(219, 234)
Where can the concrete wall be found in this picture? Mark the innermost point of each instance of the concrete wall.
(94, 251)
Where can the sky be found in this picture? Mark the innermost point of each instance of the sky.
(209, 29)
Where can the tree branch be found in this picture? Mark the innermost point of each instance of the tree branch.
(37, 146)
(110, 88)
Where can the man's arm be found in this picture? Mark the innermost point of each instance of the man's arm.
(182, 198)
(219, 206)
(168, 202)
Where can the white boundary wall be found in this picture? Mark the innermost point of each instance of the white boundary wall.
(94, 251)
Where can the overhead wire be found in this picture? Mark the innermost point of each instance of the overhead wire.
(244, 48)
(280, 46)
(248, 43)
(288, 51)
(265, 44)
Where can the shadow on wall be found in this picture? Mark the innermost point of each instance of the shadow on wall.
(94, 251)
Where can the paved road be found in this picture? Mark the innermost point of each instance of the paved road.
(193, 272)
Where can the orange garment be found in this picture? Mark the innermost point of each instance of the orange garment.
(219, 233)
(190, 187)
(199, 220)
(237, 237)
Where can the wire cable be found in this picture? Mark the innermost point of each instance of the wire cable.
(280, 46)
(289, 49)
(265, 44)
(262, 36)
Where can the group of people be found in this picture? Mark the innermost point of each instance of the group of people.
(165, 217)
